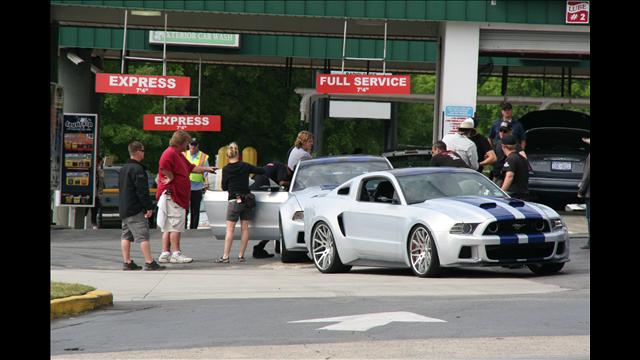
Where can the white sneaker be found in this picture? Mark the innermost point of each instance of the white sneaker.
(177, 257)
(164, 257)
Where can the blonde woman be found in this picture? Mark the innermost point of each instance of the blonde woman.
(235, 180)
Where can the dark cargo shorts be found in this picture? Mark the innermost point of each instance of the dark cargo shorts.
(135, 227)
(235, 211)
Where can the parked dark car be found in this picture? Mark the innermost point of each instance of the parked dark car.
(556, 153)
(108, 214)
(409, 158)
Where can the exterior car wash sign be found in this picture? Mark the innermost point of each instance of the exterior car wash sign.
(77, 185)
(159, 122)
(143, 84)
(195, 39)
(577, 12)
(363, 84)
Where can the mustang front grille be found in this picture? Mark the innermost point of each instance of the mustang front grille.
(522, 226)
(519, 251)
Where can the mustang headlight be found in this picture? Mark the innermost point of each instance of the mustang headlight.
(298, 216)
(556, 224)
(462, 228)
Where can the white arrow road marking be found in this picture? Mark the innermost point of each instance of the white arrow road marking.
(365, 322)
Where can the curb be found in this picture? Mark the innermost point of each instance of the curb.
(77, 304)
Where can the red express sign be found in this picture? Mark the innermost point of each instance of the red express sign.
(159, 122)
(363, 84)
(577, 12)
(143, 84)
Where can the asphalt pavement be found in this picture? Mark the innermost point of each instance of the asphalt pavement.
(247, 310)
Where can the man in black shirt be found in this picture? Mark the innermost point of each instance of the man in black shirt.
(442, 157)
(515, 170)
(278, 173)
(486, 155)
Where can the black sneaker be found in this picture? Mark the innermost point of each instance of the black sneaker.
(260, 253)
(153, 265)
(131, 266)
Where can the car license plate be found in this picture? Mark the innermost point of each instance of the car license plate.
(561, 165)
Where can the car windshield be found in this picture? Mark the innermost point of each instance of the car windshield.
(333, 174)
(420, 187)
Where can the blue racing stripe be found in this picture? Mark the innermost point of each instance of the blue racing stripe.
(497, 212)
(535, 238)
(508, 239)
(527, 210)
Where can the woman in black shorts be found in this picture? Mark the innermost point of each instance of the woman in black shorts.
(235, 180)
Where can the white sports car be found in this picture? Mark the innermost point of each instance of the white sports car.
(429, 218)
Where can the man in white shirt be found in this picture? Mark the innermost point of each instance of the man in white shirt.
(461, 144)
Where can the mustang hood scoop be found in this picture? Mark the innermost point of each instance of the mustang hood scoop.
(489, 205)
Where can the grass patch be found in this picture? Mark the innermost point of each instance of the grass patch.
(62, 290)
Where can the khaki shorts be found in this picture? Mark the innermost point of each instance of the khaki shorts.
(135, 227)
(176, 217)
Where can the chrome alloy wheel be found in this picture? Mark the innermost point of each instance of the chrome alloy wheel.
(420, 249)
(323, 247)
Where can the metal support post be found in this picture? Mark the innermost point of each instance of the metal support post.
(384, 54)
(124, 42)
(199, 81)
(164, 62)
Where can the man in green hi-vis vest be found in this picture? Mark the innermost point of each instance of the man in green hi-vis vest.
(199, 182)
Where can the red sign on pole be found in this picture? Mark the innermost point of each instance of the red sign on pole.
(577, 12)
(363, 84)
(160, 122)
(143, 84)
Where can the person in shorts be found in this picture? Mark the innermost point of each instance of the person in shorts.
(174, 195)
(235, 180)
(135, 209)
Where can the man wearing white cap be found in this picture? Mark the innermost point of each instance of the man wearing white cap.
(461, 144)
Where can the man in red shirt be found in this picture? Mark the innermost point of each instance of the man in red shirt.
(174, 194)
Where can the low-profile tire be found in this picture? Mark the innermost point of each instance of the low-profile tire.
(423, 254)
(324, 252)
(287, 256)
(545, 269)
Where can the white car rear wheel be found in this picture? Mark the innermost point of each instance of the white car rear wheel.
(422, 251)
(324, 251)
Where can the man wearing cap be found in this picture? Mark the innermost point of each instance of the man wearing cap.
(199, 182)
(461, 144)
(507, 116)
(515, 170)
(496, 173)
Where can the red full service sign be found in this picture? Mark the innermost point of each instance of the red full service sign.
(577, 12)
(160, 122)
(363, 84)
(143, 84)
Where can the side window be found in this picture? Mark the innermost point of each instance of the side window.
(344, 190)
(378, 190)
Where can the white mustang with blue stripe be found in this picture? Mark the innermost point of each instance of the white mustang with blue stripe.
(429, 218)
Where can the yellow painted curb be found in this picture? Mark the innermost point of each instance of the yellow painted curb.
(81, 303)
